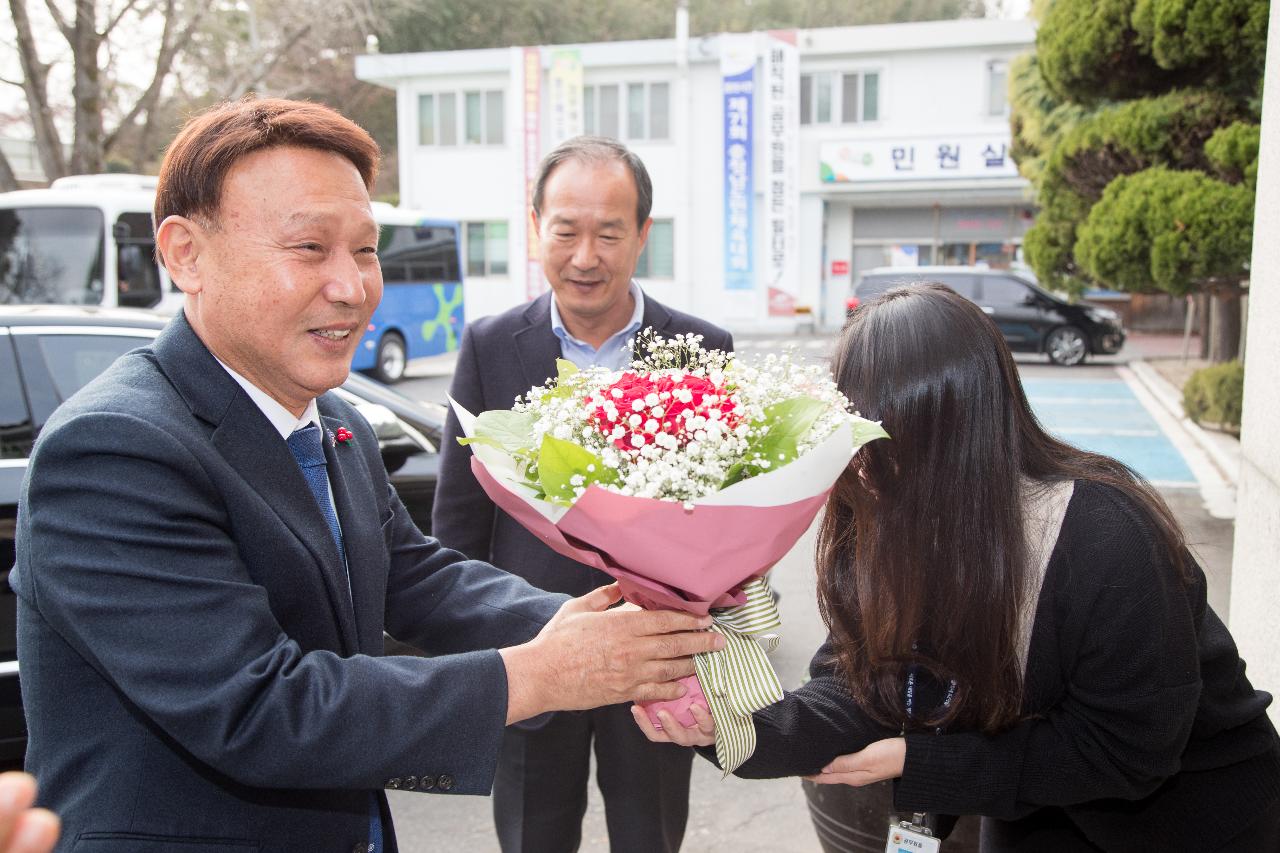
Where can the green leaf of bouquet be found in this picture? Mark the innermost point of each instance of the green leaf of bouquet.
(777, 437)
(786, 423)
(865, 431)
(559, 461)
(793, 418)
(565, 369)
(735, 474)
(503, 429)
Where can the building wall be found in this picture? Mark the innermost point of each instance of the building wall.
(932, 81)
(1255, 574)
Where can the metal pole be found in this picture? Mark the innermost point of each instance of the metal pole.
(1186, 329)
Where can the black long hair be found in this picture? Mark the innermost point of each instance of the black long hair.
(922, 554)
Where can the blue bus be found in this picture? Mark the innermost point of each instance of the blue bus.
(421, 312)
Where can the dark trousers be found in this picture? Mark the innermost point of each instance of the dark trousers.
(540, 791)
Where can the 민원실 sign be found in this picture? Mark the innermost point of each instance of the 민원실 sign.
(917, 158)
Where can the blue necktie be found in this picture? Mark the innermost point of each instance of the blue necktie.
(305, 444)
(307, 449)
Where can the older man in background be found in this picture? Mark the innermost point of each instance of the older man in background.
(591, 207)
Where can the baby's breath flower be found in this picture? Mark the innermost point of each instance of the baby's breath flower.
(680, 418)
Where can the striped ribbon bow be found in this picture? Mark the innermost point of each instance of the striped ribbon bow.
(739, 679)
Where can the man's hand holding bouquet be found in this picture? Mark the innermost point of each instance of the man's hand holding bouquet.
(685, 477)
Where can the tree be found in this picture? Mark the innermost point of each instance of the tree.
(1142, 144)
(93, 35)
(196, 53)
(449, 25)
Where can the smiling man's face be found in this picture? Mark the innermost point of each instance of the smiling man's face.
(590, 242)
(288, 276)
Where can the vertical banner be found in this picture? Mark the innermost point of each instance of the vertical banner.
(564, 91)
(738, 71)
(534, 283)
(782, 192)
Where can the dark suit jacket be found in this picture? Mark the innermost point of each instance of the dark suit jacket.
(502, 357)
(195, 672)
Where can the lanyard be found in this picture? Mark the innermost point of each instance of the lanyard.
(910, 692)
(917, 836)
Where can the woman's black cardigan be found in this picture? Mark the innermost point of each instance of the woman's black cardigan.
(1139, 717)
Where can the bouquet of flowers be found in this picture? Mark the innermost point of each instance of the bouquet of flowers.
(685, 477)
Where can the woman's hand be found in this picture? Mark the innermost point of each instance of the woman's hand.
(702, 734)
(879, 761)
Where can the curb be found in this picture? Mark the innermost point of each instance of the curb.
(1214, 460)
(1222, 449)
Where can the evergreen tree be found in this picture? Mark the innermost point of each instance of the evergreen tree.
(1137, 121)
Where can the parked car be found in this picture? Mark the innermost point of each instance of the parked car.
(1031, 318)
(47, 353)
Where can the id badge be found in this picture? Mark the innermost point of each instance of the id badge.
(907, 838)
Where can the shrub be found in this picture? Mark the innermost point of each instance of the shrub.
(1215, 396)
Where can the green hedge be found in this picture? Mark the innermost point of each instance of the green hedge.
(1215, 396)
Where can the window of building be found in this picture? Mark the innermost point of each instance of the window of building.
(426, 119)
(482, 121)
(658, 260)
(475, 134)
(997, 87)
(486, 248)
(871, 96)
(834, 97)
(633, 111)
(495, 107)
(448, 103)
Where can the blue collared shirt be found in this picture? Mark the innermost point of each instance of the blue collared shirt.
(613, 353)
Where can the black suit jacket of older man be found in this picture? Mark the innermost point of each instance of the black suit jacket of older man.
(501, 357)
(196, 671)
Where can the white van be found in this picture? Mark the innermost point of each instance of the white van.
(86, 240)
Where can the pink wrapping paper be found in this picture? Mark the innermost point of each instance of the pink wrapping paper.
(663, 556)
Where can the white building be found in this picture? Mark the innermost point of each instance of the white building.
(857, 147)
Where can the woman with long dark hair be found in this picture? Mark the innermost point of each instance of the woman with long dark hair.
(1017, 629)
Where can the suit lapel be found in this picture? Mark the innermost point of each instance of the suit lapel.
(655, 316)
(250, 444)
(537, 346)
(262, 458)
(361, 534)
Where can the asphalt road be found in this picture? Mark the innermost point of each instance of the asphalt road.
(1091, 406)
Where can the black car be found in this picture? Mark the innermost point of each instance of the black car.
(47, 353)
(1031, 318)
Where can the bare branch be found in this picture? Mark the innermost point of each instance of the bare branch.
(35, 85)
(124, 10)
(170, 45)
(17, 83)
(262, 66)
(67, 32)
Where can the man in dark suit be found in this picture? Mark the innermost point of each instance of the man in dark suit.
(209, 550)
(591, 211)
